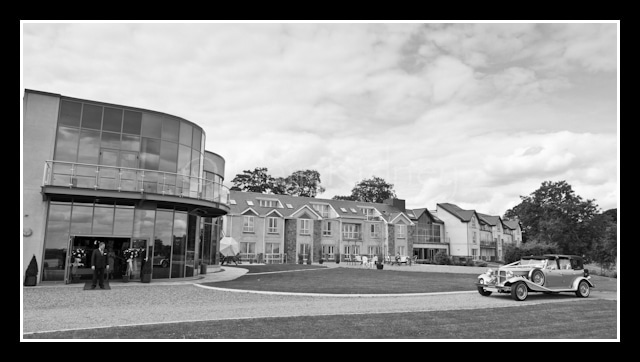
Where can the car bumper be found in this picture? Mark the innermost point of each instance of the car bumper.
(494, 288)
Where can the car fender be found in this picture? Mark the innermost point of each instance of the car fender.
(531, 285)
(578, 280)
(485, 276)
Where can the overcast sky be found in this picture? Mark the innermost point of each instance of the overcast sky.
(474, 114)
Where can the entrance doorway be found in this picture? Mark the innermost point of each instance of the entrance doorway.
(80, 268)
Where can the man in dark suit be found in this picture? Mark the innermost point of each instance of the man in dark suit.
(99, 261)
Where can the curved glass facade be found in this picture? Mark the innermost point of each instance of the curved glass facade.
(101, 150)
(94, 134)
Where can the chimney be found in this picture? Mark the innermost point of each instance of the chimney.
(397, 203)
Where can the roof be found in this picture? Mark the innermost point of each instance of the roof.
(511, 224)
(342, 207)
(489, 219)
(419, 212)
(463, 215)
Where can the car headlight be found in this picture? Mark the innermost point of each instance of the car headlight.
(509, 274)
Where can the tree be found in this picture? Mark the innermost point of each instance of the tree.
(300, 183)
(257, 180)
(303, 183)
(374, 189)
(605, 247)
(554, 214)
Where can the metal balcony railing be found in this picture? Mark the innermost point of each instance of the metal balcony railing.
(488, 243)
(101, 177)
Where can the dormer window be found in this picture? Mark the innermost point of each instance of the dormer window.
(269, 203)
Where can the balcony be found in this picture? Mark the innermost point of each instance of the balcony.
(487, 244)
(424, 239)
(71, 178)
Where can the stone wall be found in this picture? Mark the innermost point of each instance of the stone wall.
(290, 232)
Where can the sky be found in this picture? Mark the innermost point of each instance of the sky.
(471, 113)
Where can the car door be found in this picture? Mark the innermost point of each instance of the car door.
(553, 275)
(566, 271)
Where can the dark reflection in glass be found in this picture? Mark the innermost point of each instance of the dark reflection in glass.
(150, 154)
(186, 133)
(197, 138)
(168, 156)
(103, 220)
(107, 175)
(110, 140)
(123, 221)
(132, 122)
(179, 245)
(66, 144)
(81, 219)
(207, 252)
(184, 158)
(170, 129)
(191, 245)
(89, 149)
(143, 221)
(91, 116)
(56, 241)
(151, 125)
(162, 243)
(130, 143)
(70, 113)
(112, 120)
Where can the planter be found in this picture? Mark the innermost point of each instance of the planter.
(321, 261)
(146, 278)
(30, 281)
(203, 268)
(125, 279)
(380, 266)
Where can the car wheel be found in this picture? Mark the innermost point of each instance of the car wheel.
(482, 291)
(519, 291)
(537, 277)
(583, 289)
(165, 264)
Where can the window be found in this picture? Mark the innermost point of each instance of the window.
(474, 253)
(351, 231)
(70, 113)
(232, 202)
(353, 210)
(327, 251)
(323, 210)
(272, 227)
(374, 230)
(400, 249)
(473, 222)
(326, 228)
(401, 231)
(474, 237)
(247, 225)
(305, 226)
(249, 202)
(343, 209)
(289, 206)
(269, 203)
(247, 248)
(272, 248)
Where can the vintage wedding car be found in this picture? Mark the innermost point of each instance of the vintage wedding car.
(550, 273)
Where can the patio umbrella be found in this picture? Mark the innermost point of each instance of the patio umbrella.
(229, 246)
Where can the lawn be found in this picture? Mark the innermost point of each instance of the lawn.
(588, 319)
(296, 278)
(318, 279)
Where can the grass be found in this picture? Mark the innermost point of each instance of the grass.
(350, 281)
(297, 278)
(588, 319)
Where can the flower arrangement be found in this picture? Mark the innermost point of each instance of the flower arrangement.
(130, 255)
(79, 253)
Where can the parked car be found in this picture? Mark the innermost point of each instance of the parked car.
(551, 273)
(161, 261)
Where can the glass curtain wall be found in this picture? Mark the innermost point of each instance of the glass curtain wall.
(105, 135)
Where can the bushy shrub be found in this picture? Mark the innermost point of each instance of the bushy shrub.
(442, 258)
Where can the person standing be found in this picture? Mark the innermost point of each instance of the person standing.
(99, 261)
